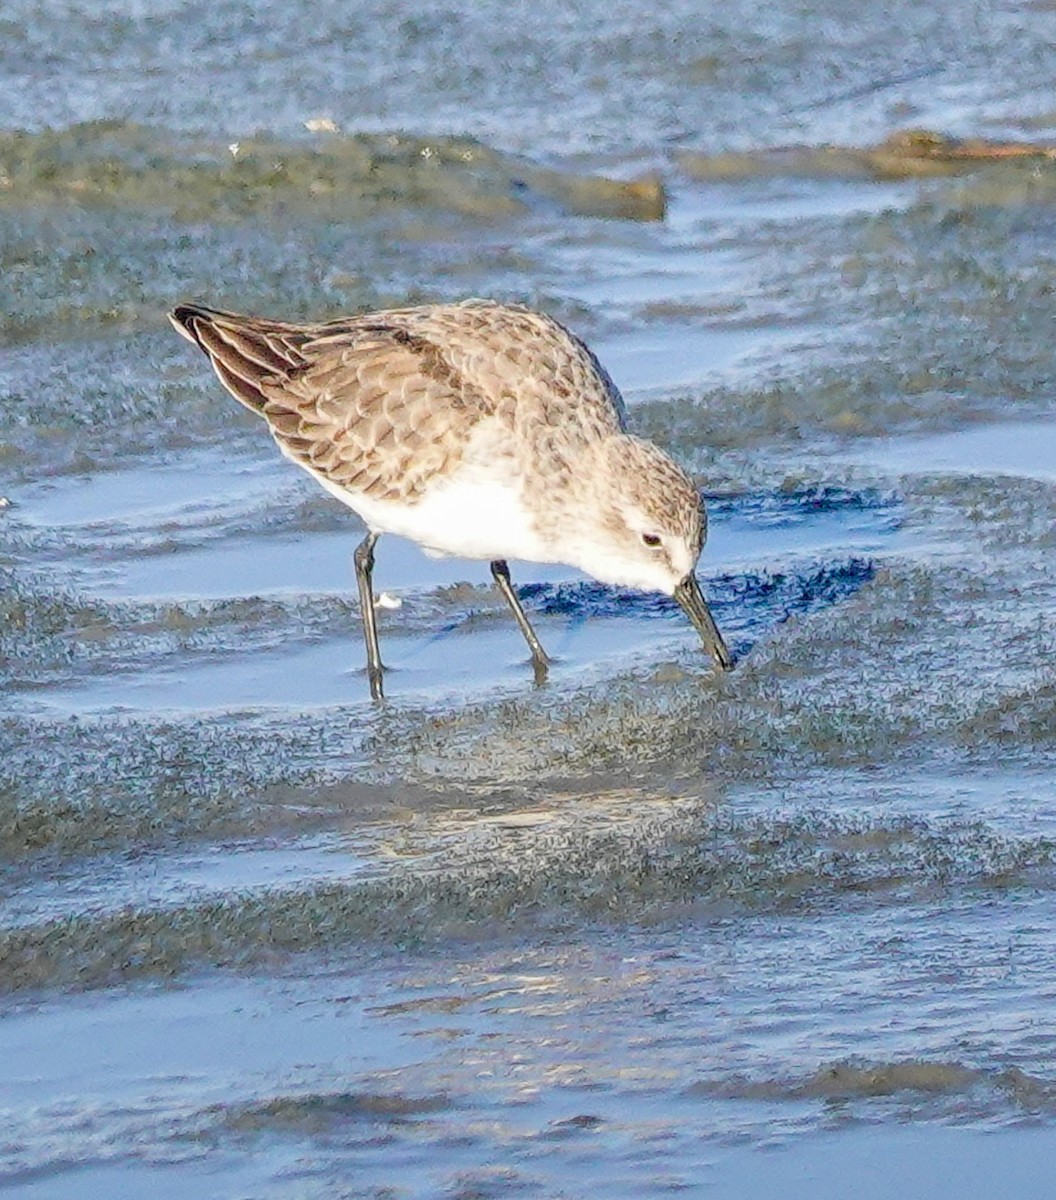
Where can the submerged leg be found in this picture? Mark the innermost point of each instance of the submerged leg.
(501, 574)
(364, 560)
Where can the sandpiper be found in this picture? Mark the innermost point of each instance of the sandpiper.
(482, 430)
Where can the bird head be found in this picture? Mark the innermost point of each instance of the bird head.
(643, 526)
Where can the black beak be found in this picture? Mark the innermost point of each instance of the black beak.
(691, 598)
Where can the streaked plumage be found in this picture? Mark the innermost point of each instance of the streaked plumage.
(475, 429)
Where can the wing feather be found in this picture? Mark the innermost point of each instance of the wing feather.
(366, 403)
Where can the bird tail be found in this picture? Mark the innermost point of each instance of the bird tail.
(247, 353)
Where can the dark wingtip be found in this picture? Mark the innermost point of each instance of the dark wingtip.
(183, 318)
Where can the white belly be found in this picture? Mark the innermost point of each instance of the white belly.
(468, 516)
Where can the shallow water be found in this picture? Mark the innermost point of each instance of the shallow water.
(643, 929)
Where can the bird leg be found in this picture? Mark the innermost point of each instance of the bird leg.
(501, 574)
(364, 560)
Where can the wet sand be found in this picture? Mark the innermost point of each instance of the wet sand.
(644, 930)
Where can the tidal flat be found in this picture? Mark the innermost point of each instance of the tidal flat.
(642, 930)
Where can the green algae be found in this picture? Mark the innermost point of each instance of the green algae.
(932, 317)
(652, 869)
(125, 165)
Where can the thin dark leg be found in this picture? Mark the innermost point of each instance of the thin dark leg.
(364, 560)
(501, 574)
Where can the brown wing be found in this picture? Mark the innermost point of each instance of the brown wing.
(365, 403)
(243, 350)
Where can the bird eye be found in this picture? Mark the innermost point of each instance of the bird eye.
(652, 540)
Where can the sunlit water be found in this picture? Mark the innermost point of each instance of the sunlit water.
(642, 930)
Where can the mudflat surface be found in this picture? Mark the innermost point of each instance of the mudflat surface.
(643, 930)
